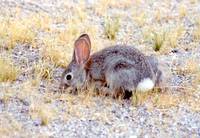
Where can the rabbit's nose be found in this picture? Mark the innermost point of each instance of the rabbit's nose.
(63, 86)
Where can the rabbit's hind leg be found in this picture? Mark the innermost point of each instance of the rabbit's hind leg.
(127, 94)
(122, 82)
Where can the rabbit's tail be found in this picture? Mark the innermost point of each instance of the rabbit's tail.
(145, 85)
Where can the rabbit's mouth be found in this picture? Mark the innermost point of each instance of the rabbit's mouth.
(63, 86)
(67, 87)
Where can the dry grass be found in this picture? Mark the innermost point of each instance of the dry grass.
(43, 112)
(158, 40)
(190, 67)
(182, 11)
(139, 18)
(166, 101)
(102, 6)
(157, 15)
(55, 52)
(8, 71)
(193, 1)
(111, 27)
(164, 39)
(40, 21)
(174, 35)
(196, 31)
(16, 31)
(43, 70)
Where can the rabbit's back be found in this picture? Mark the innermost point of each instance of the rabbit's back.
(119, 64)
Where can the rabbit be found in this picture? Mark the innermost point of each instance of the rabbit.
(114, 70)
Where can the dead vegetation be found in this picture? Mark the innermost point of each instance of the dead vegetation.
(8, 72)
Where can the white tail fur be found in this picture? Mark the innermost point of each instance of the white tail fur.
(145, 85)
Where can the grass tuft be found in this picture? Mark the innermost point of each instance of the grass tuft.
(193, 1)
(182, 11)
(43, 70)
(158, 40)
(111, 27)
(8, 72)
(43, 112)
(140, 18)
(174, 35)
(196, 31)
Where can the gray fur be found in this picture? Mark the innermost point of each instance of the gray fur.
(118, 67)
(155, 66)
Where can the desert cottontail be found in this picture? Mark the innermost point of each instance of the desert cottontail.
(115, 69)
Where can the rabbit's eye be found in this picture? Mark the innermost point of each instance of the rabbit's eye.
(68, 76)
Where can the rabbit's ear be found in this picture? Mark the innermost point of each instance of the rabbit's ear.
(82, 48)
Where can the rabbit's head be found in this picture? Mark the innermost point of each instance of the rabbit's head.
(75, 74)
